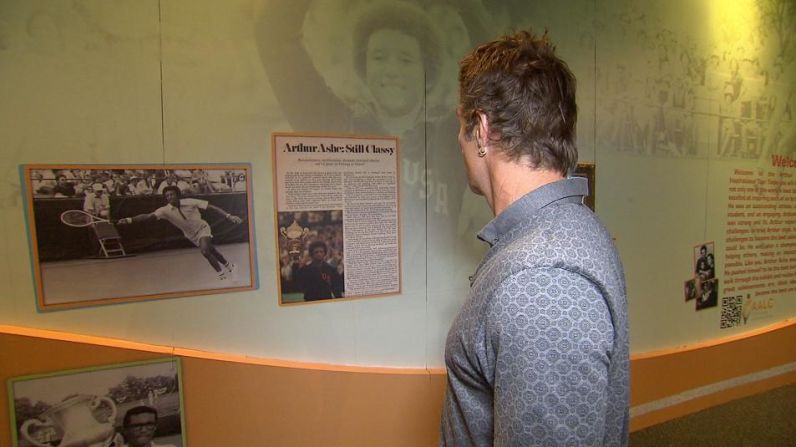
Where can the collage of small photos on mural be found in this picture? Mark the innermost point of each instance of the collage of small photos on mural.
(703, 286)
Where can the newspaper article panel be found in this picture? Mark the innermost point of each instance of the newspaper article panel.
(337, 216)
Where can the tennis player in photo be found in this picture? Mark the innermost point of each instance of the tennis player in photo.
(184, 213)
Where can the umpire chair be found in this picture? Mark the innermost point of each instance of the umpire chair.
(109, 240)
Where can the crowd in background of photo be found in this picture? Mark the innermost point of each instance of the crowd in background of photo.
(58, 183)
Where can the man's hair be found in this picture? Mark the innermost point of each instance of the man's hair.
(141, 409)
(528, 96)
(174, 188)
(318, 244)
(405, 18)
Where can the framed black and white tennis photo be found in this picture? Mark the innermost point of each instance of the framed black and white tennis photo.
(104, 234)
(113, 405)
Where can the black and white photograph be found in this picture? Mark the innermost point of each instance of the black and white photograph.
(704, 262)
(118, 233)
(690, 289)
(311, 256)
(124, 405)
(703, 285)
(708, 294)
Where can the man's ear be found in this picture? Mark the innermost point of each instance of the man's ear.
(482, 129)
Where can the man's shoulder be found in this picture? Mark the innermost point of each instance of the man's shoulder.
(190, 201)
(162, 211)
(569, 237)
(557, 228)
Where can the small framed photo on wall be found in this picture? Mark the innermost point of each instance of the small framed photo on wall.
(114, 405)
(588, 171)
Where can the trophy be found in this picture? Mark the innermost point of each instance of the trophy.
(75, 420)
(295, 238)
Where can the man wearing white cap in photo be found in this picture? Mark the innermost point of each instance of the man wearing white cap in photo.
(97, 202)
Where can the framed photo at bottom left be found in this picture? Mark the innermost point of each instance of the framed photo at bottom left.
(115, 405)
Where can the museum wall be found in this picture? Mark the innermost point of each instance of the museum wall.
(686, 110)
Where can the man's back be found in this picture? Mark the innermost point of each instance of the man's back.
(539, 353)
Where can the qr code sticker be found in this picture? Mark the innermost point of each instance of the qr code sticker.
(731, 310)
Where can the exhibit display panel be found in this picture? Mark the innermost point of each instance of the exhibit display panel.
(685, 110)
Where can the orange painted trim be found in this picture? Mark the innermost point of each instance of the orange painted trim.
(206, 355)
(125, 344)
(713, 342)
(86, 339)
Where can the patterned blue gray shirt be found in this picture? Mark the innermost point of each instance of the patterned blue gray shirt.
(538, 354)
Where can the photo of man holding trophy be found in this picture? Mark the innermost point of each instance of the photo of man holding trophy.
(136, 404)
(311, 256)
(318, 279)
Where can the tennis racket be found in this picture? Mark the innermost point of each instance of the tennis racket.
(78, 218)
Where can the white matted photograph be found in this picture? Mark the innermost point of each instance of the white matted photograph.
(130, 404)
(119, 233)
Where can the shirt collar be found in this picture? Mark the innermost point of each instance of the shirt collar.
(571, 189)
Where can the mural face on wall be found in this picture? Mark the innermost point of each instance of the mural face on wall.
(392, 70)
